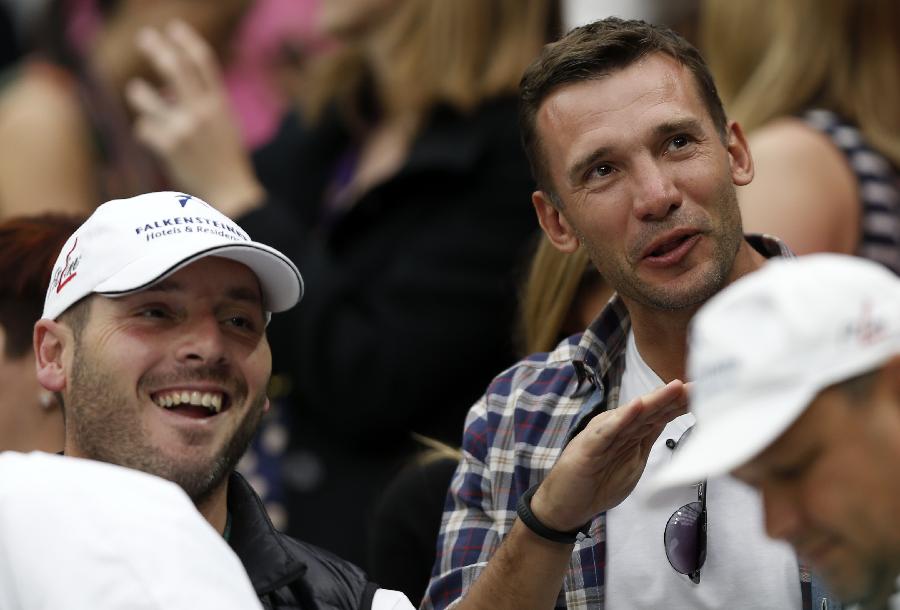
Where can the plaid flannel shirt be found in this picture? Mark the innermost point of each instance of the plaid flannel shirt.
(513, 437)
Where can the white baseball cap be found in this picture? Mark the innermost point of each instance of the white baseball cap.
(761, 350)
(127, 245)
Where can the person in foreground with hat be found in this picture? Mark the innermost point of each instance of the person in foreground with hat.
(796, 392)
(153, 335)
(84, 535)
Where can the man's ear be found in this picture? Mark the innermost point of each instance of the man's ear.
(739, 155)
(554, 224)
(52, 340)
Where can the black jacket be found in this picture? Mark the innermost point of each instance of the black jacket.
(286, 573)
(409, 307)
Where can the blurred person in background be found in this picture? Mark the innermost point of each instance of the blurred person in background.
(11, 43)
(61, 109)
(403, 193)
(815, 86)
(30, 417)
(84, 535)
(407, 517)
(269, 62)
(561, 296)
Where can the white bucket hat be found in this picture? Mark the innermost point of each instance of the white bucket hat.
(128, 244)
(762, 349)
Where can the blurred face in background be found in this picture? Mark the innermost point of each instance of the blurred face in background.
(30, 417)
(115, 49)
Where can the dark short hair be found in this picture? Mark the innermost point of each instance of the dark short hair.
(595, 50)
(77, 315)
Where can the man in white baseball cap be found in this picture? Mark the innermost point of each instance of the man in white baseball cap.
(796, 372)
(154, 337)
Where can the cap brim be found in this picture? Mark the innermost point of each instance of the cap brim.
(732, 437)
(279, 279)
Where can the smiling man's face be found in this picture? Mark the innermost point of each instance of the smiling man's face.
(172, 380)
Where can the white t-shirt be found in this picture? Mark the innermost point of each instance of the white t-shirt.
(743, 569)
(387, 599)
(84, 535)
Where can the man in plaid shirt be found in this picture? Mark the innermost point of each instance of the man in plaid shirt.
(636, 161)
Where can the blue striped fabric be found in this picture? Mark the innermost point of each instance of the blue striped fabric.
(878, 186)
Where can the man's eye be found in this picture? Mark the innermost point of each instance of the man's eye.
(602, 170)
(153, 312)
(679, 142)
(241, 322)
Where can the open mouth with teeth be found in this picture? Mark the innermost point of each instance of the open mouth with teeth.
(192, 403)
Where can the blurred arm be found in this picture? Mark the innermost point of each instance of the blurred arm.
(803, 191)
(46, 155)
(189, 124)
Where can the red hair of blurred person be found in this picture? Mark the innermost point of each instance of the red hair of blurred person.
(31, 418)
(29, 246)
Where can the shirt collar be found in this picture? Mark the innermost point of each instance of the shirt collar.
(603, 342)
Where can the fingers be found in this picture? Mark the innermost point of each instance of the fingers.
(181, 58)
(167, 62)
(663, 404)
(659, 406)
(197, 51)
(642, 418)
(146, 100)
(158, 125)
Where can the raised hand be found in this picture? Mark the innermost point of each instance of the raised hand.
(188, 122)
(603, 463)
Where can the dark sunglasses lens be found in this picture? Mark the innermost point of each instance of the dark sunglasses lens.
(682, 538)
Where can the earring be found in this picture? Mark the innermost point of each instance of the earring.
(46, 400)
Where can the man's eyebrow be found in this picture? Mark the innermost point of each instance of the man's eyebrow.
(668, 128)
(236, 293)
(242, 293)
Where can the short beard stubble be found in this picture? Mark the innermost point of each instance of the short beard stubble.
(107, 428)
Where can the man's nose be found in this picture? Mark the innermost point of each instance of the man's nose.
(201, 342)
(656, 195)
